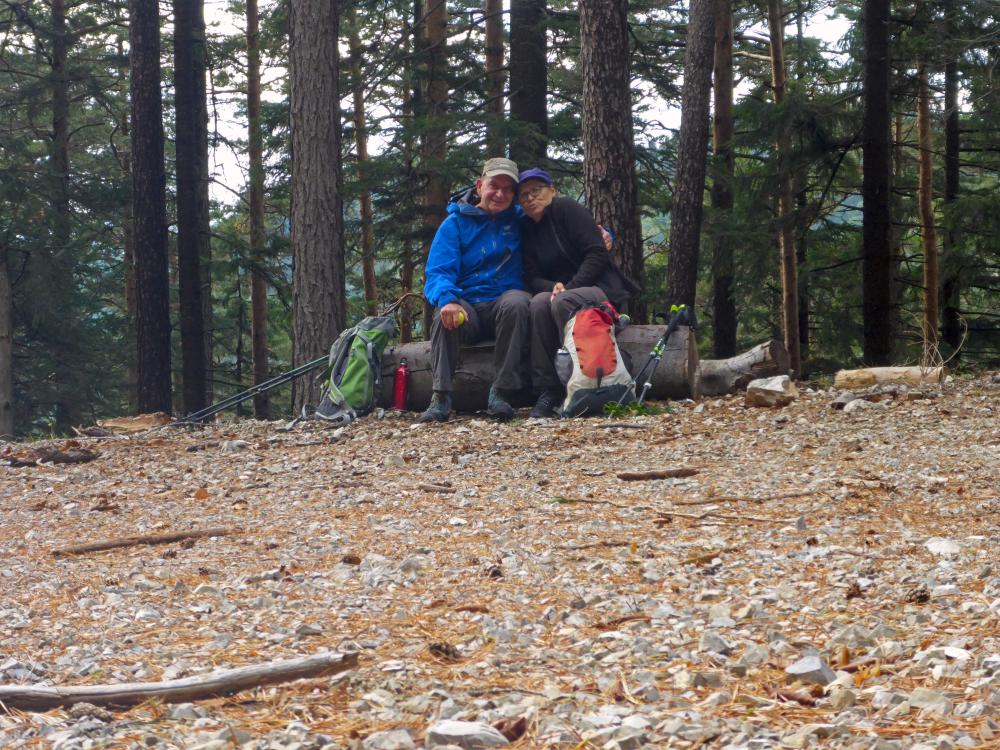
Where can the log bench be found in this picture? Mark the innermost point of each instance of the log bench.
(680, 375)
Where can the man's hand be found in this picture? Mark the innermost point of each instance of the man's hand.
(558, 289)
(452, 316)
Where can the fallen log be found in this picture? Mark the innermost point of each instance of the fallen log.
(676, 377)
(717, 377)
(867, 377)
(222, 682)
(135, 541)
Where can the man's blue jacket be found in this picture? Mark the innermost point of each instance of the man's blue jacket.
(475, 256)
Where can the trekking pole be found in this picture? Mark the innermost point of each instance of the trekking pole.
(679, 314)
(239, 398)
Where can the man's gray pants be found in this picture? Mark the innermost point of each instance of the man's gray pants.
(504, 319)
(548, 320)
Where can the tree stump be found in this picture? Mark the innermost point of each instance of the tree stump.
(676, 377)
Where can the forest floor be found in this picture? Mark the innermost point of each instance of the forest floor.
(819, 577)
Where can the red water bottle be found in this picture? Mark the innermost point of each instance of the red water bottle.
(400, 386)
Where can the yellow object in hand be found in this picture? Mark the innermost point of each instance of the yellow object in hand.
(461, 317)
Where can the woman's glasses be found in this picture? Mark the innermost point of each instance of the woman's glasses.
(533, 193)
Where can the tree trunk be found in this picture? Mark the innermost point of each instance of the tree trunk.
(928, 234)
(55, 265)
(876, 189)
(435, 139)
(951, 291)
(676, 377)
(361, 147)
(866, 378)
(149, 210)
(609, 179)
(258, 277)
(723, 303)
(799, 189)
(495, 75)
(786, 229)
(193, 233)
(6, 351)
(410, 96)
(718, 377)
(528, 83)
(692, 148)
(318, 285)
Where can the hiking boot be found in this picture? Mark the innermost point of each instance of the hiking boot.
(497, 406)
(547, 405)
(439, 409)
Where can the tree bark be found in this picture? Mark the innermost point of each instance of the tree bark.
(876, 189)
(692, 151)
(258, 277)
(149, 210)
(495, 75)
(951, 329)
(609, 179)
(193, 233)
(222, 682)
(528, 83)
(718, 377)
(318, 284)
(361, 148)
(6, 351)
(928, 234)
(435, 138)
(786, 229)
(676, 377)
(724, 320)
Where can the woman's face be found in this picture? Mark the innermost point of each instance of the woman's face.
(535, 196)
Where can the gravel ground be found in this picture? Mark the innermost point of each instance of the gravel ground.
(821, 577)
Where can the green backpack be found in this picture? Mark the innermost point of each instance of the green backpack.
(354, 373)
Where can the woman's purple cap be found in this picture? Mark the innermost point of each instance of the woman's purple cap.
(535, 173)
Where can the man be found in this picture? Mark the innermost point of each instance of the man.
(474, 280)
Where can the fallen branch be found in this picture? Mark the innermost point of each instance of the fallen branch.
(135, 541)
(52, 456)
(641, 476)
(803, 699)
(707, 557)
(436, 488)
(223, 682)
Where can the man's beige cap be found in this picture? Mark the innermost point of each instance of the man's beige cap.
(498, 165)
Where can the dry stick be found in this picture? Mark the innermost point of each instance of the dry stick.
(135, 541)
(640, 476)
(224, 682)
(436, 488)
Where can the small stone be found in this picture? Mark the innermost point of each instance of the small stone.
(811, 669)
(395, 739)
(776, 391)
(233, 446)
(934, 700)
(858, 404)
(465, 734)
(942, 547)
(842, 400)
(842, 698)
(712, 641)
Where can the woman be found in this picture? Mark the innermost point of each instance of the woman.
(566, 267)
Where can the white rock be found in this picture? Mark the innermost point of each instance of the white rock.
(811, 669)
(776, 391)
(943, 547)
(465, 734)
(858, 404)
(396, 739)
